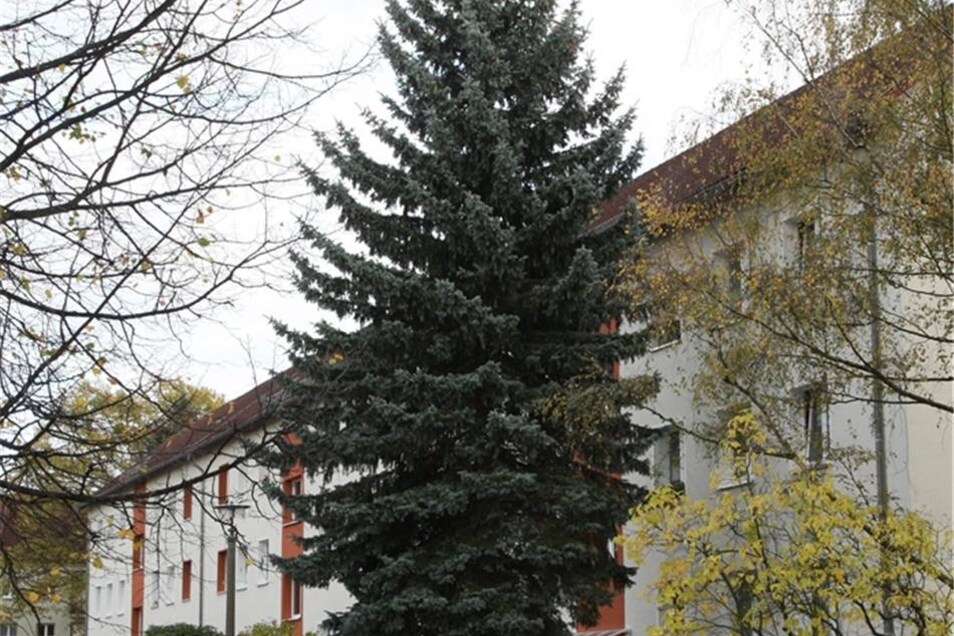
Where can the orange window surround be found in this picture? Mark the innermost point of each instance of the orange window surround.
(187, 502)
(186, 580)
(220, 571)
(223, 490)
(294, 487)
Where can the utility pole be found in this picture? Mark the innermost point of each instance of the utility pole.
(230, 509)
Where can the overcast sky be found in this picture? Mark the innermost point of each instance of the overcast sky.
(676, 52)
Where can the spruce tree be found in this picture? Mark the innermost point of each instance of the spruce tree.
(470, 432)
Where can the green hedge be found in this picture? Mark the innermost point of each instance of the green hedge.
(182, 629)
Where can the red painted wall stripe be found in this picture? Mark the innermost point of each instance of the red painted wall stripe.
(290, 548)
(138, 551)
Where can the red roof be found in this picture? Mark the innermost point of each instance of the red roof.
(212, 430)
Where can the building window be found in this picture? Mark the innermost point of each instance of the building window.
(108, 606)
(240, 485)
(734, 468)
(264, 564)
(187, 502)
(728, 265)
(661, 330)
(45, 629)
(293, 488)
(806, 231)
(296, 591)
(137, 621)
(186, 580)
(139, 542)
(667, 459)
(812, 411)
(220, 566)
(170, 584)
(291, 599)
(8, 629)
(97, 604)
(154, 587)
(241, 570)
(223, 485)
(121, 597)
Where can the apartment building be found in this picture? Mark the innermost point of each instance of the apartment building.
(163, 560)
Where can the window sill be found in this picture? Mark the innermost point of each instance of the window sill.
(262, 583)
(678, 485)
(732, 485)
(663, 346)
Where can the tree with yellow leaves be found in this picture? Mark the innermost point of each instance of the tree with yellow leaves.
(808, 252)
(44, 542)
(790, 554)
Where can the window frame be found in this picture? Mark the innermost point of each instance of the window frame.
(168, 591)
(186, 591)
(296, 601)
(659, 335)
(222, 486)
(673, 473)
(289, 516)
(120, 594)
(221, 570)
(241, 569)
(729, 477)
(264, 564)
(187, 497)
(815, 422)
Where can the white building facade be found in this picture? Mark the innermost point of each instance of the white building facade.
(163, 561)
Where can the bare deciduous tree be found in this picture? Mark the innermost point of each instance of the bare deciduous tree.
(137, 163)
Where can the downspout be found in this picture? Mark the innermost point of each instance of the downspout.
(201, 566)
(877, 397)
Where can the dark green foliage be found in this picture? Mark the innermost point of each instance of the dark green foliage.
(470, 497)
(182, 629)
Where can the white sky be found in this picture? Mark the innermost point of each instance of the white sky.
(677, 52)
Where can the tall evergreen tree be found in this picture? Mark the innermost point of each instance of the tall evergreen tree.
(471, 423)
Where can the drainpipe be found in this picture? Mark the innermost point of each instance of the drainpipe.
(201, 566)
(877, 395)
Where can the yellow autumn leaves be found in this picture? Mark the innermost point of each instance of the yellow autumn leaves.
(789, 552)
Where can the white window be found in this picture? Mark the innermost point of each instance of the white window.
(121, 597)
(154, 588)
(662, 330)
(241, 569)
(97, 604)
(814, 420)
(240, 490)
(264, 565)
(667, 458)
(728, 265)
(8, 629)
(296, 591)
(109, 599)
(170, 584)
(806, 232)
(733, 470)
(45, 629)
